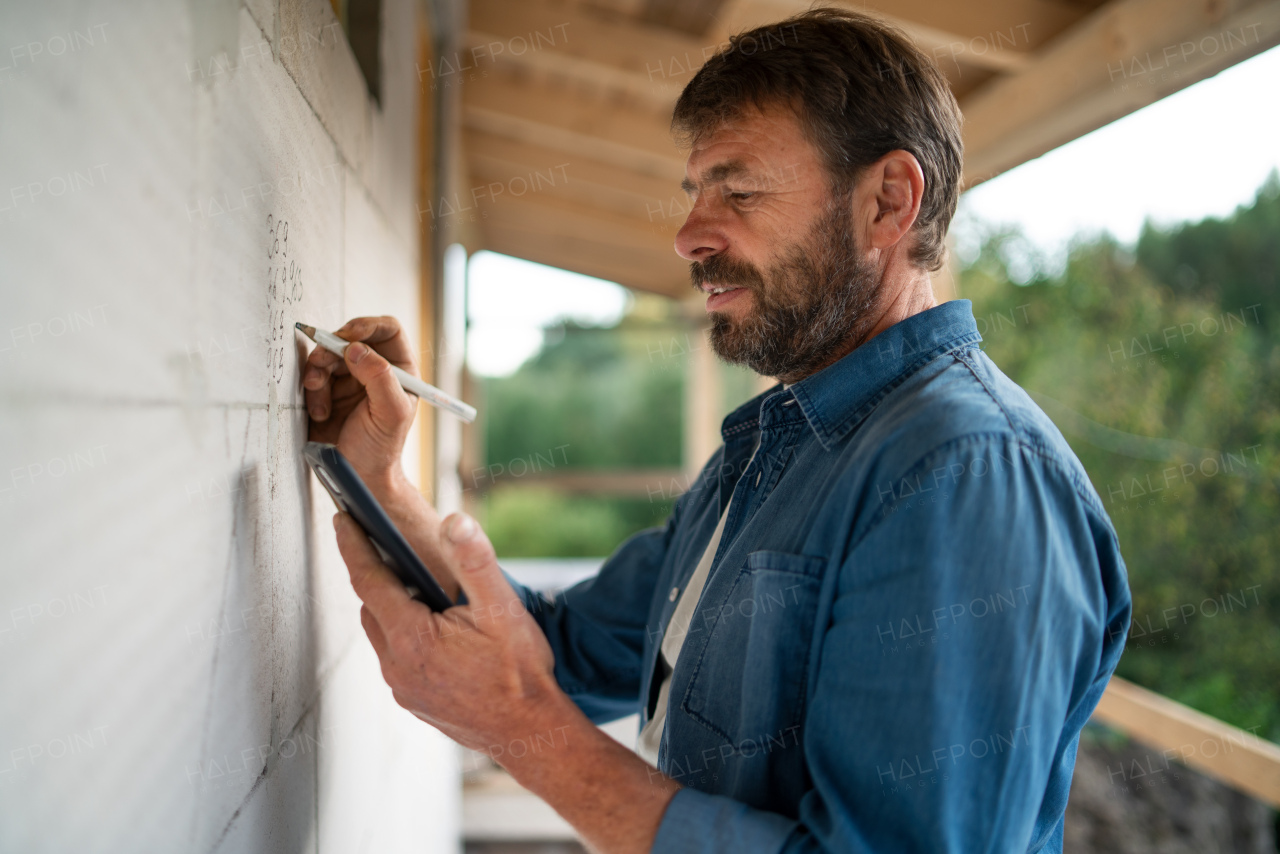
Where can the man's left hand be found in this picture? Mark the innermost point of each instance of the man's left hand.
(481, 672)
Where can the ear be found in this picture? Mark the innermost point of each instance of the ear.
(893, 187)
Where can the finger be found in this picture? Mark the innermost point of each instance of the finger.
(385, 335)
(470, 556)
(314, 376)
(323, 359)
(345, 392)
(318, 394)
(376, 585)
(377, 637)
(389, 405)
(321, 370)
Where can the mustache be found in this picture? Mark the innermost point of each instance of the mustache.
(723, 270)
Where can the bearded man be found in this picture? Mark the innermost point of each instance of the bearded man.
(880, 617)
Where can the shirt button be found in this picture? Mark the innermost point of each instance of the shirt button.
(675, 591)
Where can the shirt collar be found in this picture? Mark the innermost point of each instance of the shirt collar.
(841, 395)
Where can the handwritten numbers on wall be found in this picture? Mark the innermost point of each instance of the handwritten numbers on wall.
(284, 288)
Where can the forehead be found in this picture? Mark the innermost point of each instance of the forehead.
(757, 140)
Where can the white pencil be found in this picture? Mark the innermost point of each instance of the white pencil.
(410, 383)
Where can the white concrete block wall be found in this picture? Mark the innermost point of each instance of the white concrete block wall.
(181, 662)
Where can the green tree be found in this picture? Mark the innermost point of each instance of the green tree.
(1234, 262)
(596, 399)
(1172, 402)
(595, 393)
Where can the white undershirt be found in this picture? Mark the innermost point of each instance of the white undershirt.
(673, 640)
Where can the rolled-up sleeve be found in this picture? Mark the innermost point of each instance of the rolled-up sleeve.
(966, 643)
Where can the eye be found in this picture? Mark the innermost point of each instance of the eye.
(742, 196)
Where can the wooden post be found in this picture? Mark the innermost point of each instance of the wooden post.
(703, 402)
(428, 262)
(1233, 756)
(452, 326)
(946, 281)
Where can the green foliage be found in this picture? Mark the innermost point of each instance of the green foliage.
(534, 522)
(540, 522)
(1235, 262)
(1168, 389)
(592, 398)
(609, 398)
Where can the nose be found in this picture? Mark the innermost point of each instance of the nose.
(701, 236)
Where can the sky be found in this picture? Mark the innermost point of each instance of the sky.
(1199, 152)
(510, 302)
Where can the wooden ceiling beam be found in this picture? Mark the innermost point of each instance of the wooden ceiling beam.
(1001, 50)
(578, 130)
(629, 266)
(517, 165)
(607, 82)
(599, 243)
(1038, 21)
(984, 51)
(1126, 55)
(649, 65)
(654, 58)
(559, 104)
(547, 214)
(627, 8)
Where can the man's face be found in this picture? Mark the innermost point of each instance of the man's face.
(787, 289)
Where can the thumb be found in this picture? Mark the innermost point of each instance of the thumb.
(470, 556)
(389, 405)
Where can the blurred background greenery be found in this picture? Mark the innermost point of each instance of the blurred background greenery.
(1159, 362)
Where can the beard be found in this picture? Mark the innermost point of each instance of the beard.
(811, 307)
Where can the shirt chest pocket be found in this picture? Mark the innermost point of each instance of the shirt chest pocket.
(748, 682)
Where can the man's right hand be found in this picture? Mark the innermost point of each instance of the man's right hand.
(356, 402)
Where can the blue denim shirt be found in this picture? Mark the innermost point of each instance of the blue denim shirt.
(915, 606)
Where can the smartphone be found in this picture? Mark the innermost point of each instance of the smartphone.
(354, 498)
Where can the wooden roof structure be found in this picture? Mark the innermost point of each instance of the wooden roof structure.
(564, 106)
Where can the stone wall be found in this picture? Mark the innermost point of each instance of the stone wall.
(1127, 799)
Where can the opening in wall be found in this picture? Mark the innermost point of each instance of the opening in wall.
(362, 22)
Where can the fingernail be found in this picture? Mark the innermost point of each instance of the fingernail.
(356, 352)
(461, 528)
(318, 412)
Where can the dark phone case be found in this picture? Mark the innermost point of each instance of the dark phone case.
(353, 497)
